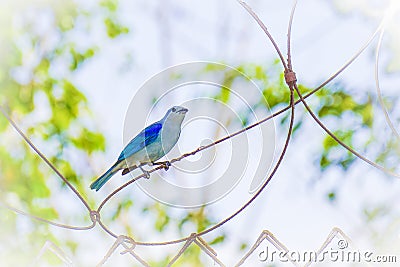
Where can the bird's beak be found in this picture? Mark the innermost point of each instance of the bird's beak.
(183, 111)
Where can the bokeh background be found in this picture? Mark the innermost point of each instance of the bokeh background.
(70, 69)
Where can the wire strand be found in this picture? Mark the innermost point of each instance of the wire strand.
(95, 215)
(264, 28)
(43, 157)
(378, 88)
(354, 152)
(37, 218)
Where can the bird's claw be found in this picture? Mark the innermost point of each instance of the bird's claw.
(146, 174)
(166, 165)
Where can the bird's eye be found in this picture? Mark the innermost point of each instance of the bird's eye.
(173, 109)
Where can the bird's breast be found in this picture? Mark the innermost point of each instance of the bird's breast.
(169, 136)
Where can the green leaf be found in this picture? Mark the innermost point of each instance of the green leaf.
(324, 162)
(217, 240)
(260, 74)
(161, 222)
(243, 246)
(89, 141)
(297, 126)
(225, 92)
(111, 5)
(332, 196)
(347, 161)
(125, 204)
(162, 217)
(114, 29)
(78, 58)
(366, 113)
(66, 169)
(344, 136)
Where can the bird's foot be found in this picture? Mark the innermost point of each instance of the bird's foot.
(164, 164)
(146, 173)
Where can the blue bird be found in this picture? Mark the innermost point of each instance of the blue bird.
(148, 146)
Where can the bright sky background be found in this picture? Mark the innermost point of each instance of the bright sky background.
(293, 207)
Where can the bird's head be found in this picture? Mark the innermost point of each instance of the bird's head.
(176, 113)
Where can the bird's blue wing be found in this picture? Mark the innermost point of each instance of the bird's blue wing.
(144, 138)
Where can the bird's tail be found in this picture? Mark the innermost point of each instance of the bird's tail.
(96, 185)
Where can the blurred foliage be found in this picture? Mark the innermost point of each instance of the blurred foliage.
(35, 57)
(36, 77)
(349, 115)
(113, 27)
(41, 82)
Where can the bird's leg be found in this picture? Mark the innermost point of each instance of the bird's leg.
(146, 173)
(165, 164)
(128, 169)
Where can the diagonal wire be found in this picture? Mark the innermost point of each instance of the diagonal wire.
(279, 161)
(265, 235)
(264, 28)
(43, 157)
(202, 244)
(289, 36)
(332, 77)
(60, 225)
(354, 152)
(378, 88)
(287, 67)
(54, 249)
(194, 152)
(348, 63)
(319, 121)
(212, 144)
